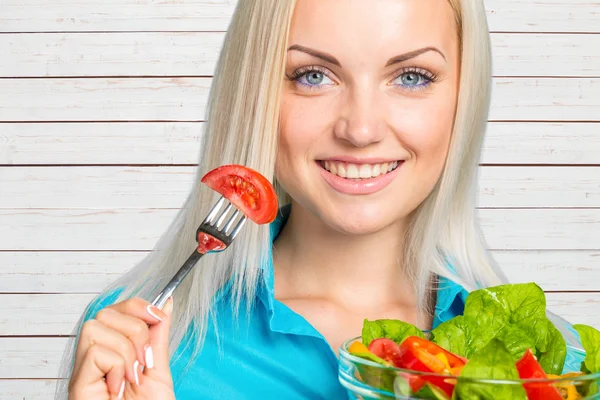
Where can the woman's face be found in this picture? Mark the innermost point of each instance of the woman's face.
(368, 108)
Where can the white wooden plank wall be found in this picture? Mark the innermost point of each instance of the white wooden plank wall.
(101, 111)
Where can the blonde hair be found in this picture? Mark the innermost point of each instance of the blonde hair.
(242, 127)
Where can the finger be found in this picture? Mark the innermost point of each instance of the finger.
(141, 309)
(95, 333)
(100, 362)
(135, 329)
(159, 339)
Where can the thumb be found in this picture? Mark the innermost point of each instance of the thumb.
(159, 340)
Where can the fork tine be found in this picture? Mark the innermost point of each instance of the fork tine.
(238, 227)
(223, 216)
(214, 210)
(230, 222)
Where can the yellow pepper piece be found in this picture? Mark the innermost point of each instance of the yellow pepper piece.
(567, 389)
(358, 347)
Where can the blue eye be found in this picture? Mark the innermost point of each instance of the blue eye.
(313, 79)
(413, 80)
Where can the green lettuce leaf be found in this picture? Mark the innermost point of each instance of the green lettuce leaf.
(492, 362)
(523, 305)
(461, 335)
(553, 359)
(395, 330)
(590, 339)
(516, 341)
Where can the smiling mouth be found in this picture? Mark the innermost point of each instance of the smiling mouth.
(359, 171)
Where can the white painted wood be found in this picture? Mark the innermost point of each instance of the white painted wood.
(184, 99)
(545, 99)
(541, 229)
(552, 270)
(39, 358)
(110, 54)
(167, 143)
(91, 272)
(31, 358)
(94, 143)
(66, 272)
(539, 187)
(545, 54)
(93, 187)
(115, 15)
(542, 143)
(167, 187)
(196, 53)
(41, 314)
(543, 15)
(57, 314)
(213, 15)
(133, 229)
(27, 389)
(103, 99)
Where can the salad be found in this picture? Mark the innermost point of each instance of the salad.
(503, 335)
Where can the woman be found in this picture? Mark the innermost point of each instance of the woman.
(370, 117)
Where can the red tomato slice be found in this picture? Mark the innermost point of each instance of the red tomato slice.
(386, 349)
(246, 189)
(208, 243)
(529, 368)
(419, 354)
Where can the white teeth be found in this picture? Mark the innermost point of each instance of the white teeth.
(352, 171)
(376, 170)
(333, 168)
(358, 171)
(365, 171)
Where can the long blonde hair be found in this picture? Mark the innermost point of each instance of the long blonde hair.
(242, 127)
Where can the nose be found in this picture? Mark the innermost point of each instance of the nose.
(360, 122)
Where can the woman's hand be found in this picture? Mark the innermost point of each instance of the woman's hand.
(113, 348)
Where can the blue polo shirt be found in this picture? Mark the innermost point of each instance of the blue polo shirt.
(273, 352)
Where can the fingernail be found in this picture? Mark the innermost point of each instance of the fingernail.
(136, 365)
(122, 390)
(149, 358)
(155, 312)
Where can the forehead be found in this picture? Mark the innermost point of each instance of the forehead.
(379, 25)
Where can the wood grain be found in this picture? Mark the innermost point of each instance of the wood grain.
(139, 229)
(67, 272)
(184, 99)
(167, 187)
(168, 143)
(90, 272)
(31, 358)
(214, 15)
(56, 314)
(27, 389)
(39, 358)
(195, 54)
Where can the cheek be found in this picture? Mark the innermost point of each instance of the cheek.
(426, 133)
(303, 125)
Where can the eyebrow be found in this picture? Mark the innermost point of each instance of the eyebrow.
(413, 54)
(315, 53)
(394, 60)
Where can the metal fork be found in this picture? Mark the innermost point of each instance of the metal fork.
(214, 224)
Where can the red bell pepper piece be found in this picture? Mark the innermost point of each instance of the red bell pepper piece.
(530, 368)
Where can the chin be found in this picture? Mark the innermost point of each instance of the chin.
(364, 220)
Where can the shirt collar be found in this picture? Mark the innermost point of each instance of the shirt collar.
(450, 298)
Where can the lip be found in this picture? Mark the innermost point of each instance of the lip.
(359, 186)
(356, 160)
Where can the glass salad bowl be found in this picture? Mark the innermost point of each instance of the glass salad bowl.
(365, 380)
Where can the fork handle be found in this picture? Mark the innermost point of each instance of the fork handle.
(163, 296)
